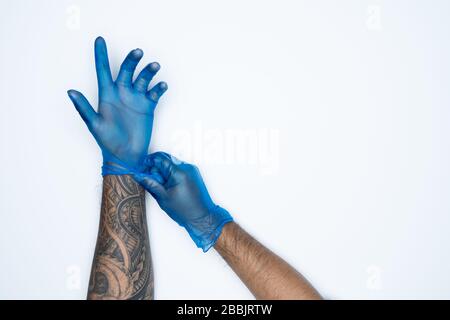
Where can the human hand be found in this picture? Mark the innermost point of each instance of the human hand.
(122, 126)
(180, 191)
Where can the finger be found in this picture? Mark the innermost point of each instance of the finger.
(170, 157)
(128, 66)
(157, 175)
(145, 76)
(150, 184)
(157, 91)
(149, 159)
(104, 77)
(83, 107)
(162, 162)
(159, 155)
(153, 171)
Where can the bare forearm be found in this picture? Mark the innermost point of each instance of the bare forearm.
(265, 274)
(122, 267)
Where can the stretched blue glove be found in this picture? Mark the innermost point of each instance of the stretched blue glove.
(123, 124)
(180, 191)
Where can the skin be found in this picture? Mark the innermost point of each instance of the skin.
(264, 273)
(122, 267)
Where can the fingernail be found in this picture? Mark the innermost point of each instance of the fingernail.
(138, 52)
(154, 66)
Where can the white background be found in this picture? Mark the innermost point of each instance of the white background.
(353, 190)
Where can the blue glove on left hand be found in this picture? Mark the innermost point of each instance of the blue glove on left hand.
(123, 124)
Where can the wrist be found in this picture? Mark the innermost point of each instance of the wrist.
(206, 230)
(228, 232)
(112, 165)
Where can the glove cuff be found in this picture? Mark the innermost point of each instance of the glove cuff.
(114, 166)
(111, 168)
(206, 230)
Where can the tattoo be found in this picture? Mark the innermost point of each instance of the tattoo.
(122, 267)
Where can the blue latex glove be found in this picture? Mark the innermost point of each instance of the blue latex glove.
(180, 191)
(123, 124)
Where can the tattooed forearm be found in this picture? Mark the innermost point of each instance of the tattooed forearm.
(122, 267)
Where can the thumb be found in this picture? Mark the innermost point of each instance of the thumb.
(151, 184)
(83, 107)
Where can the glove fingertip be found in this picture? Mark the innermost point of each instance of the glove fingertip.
(72, 93)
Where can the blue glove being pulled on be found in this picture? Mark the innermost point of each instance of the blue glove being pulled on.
(180, 191)
(122, 126)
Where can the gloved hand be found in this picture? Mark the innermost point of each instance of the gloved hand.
(123, 124)
(180, 191)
